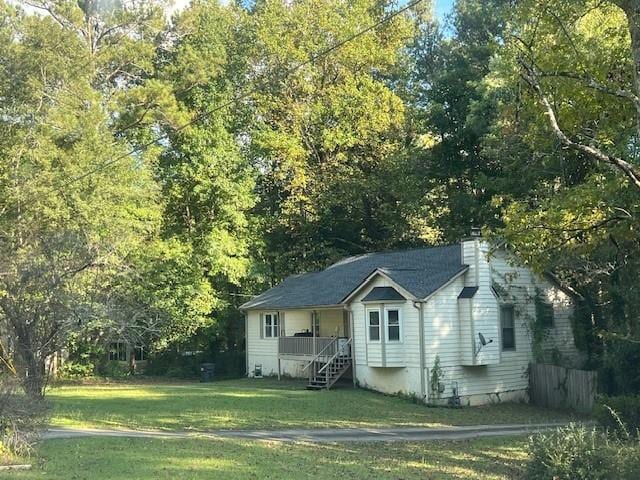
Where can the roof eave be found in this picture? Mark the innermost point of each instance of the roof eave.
(447, 283)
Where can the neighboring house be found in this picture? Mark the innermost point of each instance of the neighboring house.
(126, 354)
(388, 319)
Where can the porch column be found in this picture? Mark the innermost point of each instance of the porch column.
(314, 321)
(281, 332)
(353, 348)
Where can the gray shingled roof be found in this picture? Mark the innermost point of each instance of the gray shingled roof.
(419, 271)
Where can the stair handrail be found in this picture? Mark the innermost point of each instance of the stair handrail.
(319, 354)
(336, 355)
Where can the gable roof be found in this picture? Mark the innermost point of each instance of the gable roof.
(383, 293)
(419, 271)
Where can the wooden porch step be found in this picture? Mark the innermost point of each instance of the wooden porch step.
(315, 387)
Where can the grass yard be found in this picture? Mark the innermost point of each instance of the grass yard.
(126, 459)
(262, 404)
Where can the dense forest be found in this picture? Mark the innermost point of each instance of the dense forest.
(156, 172)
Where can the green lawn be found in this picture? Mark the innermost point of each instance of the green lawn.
(266, 403)
(126, 459)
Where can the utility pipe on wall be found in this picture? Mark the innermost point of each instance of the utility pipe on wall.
(420, 307)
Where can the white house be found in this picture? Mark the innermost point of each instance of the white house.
(453, 323)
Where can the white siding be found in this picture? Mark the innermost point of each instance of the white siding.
(451, 327)
(506, 378)
(484, 306)
(263, 351)
(523, 285)
(386, 366)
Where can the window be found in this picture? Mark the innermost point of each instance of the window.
(544, 312)
(139, 353)
(118, 352)
(270, 325)
(393, 325)
(374, 325)
(507, 323)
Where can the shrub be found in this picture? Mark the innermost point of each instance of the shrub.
(619, 415)
(21, 418)
(73, 370)
(173, 364)
(113, 369)
(582, 453)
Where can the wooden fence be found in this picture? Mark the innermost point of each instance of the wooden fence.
(559, 387)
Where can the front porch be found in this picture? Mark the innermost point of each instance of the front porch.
(305, 335)
(319, 339)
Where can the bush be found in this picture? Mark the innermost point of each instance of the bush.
(21, 418)
(174, 364)
(582, 453)
(73, 370)
(113, 369)
(619, 415)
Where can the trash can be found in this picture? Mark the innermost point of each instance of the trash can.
(207, 371)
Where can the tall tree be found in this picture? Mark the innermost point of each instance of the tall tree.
(566, 81)
(207, 182)
(68, 223)
(327, 137)
(451, 114)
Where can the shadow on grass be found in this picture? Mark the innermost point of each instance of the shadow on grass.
(120, 459)
(264, 404)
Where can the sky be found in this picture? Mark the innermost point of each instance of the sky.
(443, 8)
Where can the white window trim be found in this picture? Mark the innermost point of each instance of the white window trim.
(274, 329)
(380, 325)
(400, 323)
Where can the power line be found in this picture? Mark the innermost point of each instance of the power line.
(203, 115)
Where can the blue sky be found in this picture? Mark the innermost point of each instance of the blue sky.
(443, 7)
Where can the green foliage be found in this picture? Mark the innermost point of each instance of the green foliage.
(72, 370)
(560, 209)
(584, 453)
(452, 113)
(435, 378)
(176, 364)
(61, 244)
(328, 139)
(619, 373)
(112, 369)
(619, 415)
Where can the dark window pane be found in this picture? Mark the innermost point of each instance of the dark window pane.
(374, 333)
(508, 339)
(394, 332)
(374, 318)
(267, 325)
(507, 320)
(394, 317)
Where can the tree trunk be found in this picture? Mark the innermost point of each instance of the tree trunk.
(631, 9)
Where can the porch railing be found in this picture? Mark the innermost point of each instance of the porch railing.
(305, 346)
